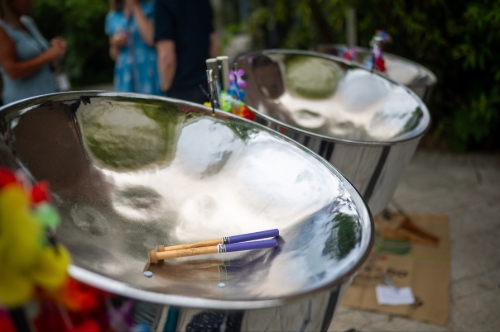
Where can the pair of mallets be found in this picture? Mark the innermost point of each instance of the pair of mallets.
(216, 246)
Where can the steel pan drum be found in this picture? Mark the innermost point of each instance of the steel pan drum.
(418, 78)
(129, 172)
(366, 125)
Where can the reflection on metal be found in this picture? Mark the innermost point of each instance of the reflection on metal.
(364, 124)
(418, 78)
(129, 172)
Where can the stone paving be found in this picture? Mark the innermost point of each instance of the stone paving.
(467, 189)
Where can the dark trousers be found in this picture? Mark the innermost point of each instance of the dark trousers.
(193, 93)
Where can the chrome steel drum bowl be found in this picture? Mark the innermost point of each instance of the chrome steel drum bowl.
(365, 124)
(129, 172)
(415, 76)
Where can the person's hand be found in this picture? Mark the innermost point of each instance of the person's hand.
(57, 48)
(61, 42)
(119, 39)
(132, 4)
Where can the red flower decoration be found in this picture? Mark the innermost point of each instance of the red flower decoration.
(380, 65)
(40, 192)
(246, 113)
(5, 323)
(88, 325)
(6, 177)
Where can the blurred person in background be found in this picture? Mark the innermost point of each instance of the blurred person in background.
(27, 59)
(130, 28)
(185, 38)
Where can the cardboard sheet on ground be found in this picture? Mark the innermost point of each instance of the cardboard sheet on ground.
(424, 268)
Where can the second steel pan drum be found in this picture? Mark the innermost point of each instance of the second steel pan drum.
(129, 172)
(413, 75)
(365, 124)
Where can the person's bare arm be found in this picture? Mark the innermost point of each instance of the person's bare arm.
(113, 50)
(116, 42)
(214, 45)
(167, 62)
(144, 24)
(16, 69)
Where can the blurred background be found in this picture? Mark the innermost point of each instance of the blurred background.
(457, 40)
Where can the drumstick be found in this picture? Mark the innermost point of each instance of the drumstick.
(224, 240)
(155, 256)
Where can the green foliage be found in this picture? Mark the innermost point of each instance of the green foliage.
(299, 24)
(230, 31)
(81, 23)
(344, 235)
(458, 40)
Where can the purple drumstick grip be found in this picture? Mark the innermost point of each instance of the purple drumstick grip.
(251, 245)
(253, 236)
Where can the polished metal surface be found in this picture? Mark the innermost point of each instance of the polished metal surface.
(129, 172)
(415, 76)
(366, 125)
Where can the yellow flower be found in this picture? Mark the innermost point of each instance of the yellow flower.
(20, 231)
(50, 271)
(15, 288)
(25, 263)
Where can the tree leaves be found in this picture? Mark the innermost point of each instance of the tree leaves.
(81, 23)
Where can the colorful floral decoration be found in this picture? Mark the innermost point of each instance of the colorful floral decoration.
(377, 61)
(348, 53)
(34, 268)
(237, 84)
(232, 105)
(232, 100)
(28, 264)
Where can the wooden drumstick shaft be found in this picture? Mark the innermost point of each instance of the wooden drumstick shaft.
(155, 256)
(205, 243)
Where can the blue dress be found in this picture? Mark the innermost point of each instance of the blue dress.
(29, 44)
(135, 67)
